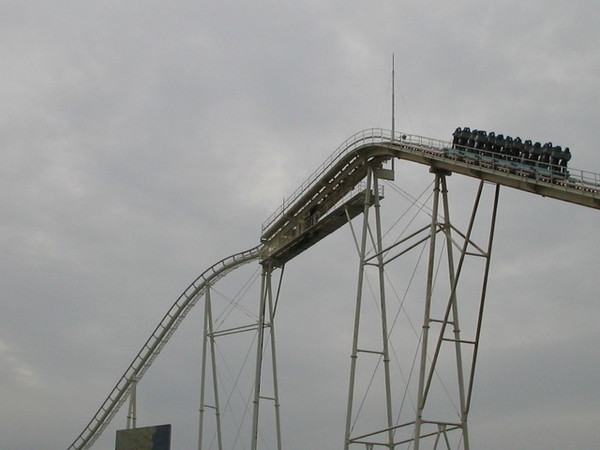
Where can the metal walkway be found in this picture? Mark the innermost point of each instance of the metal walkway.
(347, 166)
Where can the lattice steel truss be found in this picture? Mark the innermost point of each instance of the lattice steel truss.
(441, 341)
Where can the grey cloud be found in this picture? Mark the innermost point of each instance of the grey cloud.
(143, 141)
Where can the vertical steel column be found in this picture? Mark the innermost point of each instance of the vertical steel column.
(447, 228)
(371, 197)
(213, 356)
(203, 376)
(132, 411)
(266, 301)
(266, 273)
(274, 362)
(208, 337)
(384, 327)
(421, 396)
(357, 311)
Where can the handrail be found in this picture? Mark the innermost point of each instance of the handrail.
(349, 144)
(415, 142)
(156, 342)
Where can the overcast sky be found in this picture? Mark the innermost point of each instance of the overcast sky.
(143, 141)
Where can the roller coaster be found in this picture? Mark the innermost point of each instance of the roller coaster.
(548, 156)
(345, 186)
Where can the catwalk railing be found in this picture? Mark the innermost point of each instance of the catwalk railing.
(580, 179)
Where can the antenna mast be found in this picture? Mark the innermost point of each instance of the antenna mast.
(393, 99)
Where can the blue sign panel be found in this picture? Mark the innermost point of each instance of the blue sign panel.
(147, 438)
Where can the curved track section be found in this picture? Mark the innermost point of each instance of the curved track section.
(156, 342)
(581, 187)
(302, 218)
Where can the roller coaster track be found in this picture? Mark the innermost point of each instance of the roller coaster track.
(336, 177)
(347, 166)
(584, 185)
(155, 343)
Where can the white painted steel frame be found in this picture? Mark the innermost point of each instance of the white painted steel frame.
(208, 345)
(155, 343)
(266, 322)
(449, 317)
(366, 234)
(265, 329)
(132, 410)
(582, 187)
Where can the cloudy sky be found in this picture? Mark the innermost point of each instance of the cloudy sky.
(143, 141)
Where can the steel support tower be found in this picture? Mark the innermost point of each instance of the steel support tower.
(440, 338)
(348, 186)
